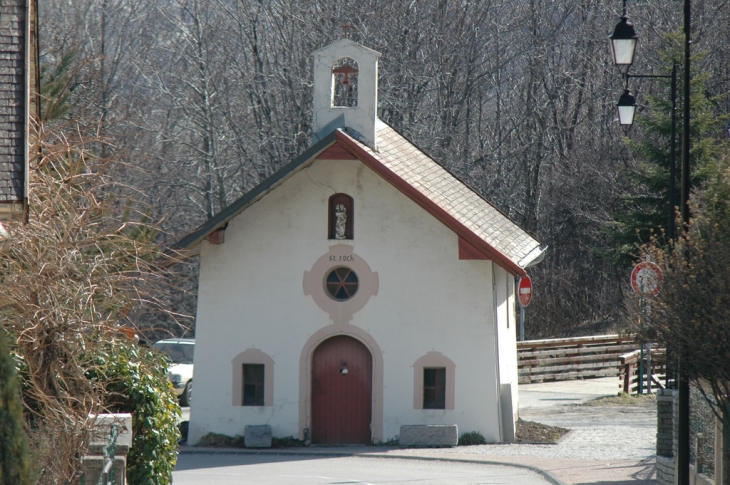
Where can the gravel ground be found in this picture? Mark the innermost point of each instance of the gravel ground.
(615, 431)
(611, 441)
(596, 433)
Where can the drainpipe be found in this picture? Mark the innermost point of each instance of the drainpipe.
(495, 315)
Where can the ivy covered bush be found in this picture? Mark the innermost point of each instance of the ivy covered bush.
(136, 378)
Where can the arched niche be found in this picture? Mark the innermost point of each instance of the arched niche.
(345, 78)
(252, 356)
(430, 361)
(341, 217)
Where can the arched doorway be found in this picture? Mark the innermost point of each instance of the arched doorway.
(342, 382)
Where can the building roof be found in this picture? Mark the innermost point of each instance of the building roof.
(420, 178)
(19, 70)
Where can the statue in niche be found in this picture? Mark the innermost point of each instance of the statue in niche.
(340, 221)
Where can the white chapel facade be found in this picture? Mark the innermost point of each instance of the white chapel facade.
(360, 288)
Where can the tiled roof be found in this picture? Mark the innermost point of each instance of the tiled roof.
(449, 193)
(12, 100)
(419, 177)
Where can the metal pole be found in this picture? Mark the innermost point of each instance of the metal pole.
(648, 367)
(641, 348)
(641, 370)
(673, 159)
(522, 323)
(647, 322)
(683, 421)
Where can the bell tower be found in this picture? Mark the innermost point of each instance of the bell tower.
(346, 89)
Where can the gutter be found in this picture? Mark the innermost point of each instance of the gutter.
(534, 257)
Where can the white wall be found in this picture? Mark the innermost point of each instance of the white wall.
(506, 327)
(251, 295)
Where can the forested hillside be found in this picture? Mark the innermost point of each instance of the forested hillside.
(203, 99)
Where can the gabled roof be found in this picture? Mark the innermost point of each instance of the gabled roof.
(421, 179)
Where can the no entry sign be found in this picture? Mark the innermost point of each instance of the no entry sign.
(524, 291)
(646, 278)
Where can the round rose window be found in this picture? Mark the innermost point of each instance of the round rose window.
(341, 283)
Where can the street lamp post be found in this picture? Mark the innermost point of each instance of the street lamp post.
(623, 45)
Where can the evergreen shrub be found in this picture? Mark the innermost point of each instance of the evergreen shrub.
(14, 455)
(472, 438)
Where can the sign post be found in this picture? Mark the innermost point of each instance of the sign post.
(646, 280)
(524, 296)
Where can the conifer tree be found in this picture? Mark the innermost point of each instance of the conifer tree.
(14, 456)
(644, 211)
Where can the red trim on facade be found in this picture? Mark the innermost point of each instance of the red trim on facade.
(336, 152)
(468, 251)
(217, 237)
(439, 213)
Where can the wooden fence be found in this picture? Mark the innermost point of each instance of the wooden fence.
(630, 381)
(586, 357)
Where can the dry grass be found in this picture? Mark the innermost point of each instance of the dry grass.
(623, 399)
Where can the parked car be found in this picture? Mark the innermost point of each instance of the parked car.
(180, 351)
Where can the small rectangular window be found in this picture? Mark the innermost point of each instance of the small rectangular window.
(434, 388)
(253, 384)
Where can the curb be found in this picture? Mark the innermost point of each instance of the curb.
(191, 450)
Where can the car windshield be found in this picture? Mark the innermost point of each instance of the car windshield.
(178, 353)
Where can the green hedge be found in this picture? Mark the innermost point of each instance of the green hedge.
(137, 380)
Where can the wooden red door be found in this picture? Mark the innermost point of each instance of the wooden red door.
(342, 382)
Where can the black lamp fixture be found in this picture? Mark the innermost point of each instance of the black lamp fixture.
(623, 46)
(623, 42)
(626, 109)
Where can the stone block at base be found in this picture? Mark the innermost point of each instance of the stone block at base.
(665, 470)
(92, 467)
(257, 436)
(429, 435)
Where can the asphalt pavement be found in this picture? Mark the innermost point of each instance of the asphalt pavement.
(277, 469)
(606, 446)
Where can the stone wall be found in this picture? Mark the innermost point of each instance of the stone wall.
(667, 416)
(665, 470)
(666, 436)
(665, 422)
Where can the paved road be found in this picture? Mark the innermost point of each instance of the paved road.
(606, 445)
(552, 394)
(210, 469)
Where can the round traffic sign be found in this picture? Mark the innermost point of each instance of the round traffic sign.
(524, 291)
(646, 278)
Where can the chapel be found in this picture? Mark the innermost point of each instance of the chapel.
(359, 289)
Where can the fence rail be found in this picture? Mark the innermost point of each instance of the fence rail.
(633, 375)
(586, 357)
